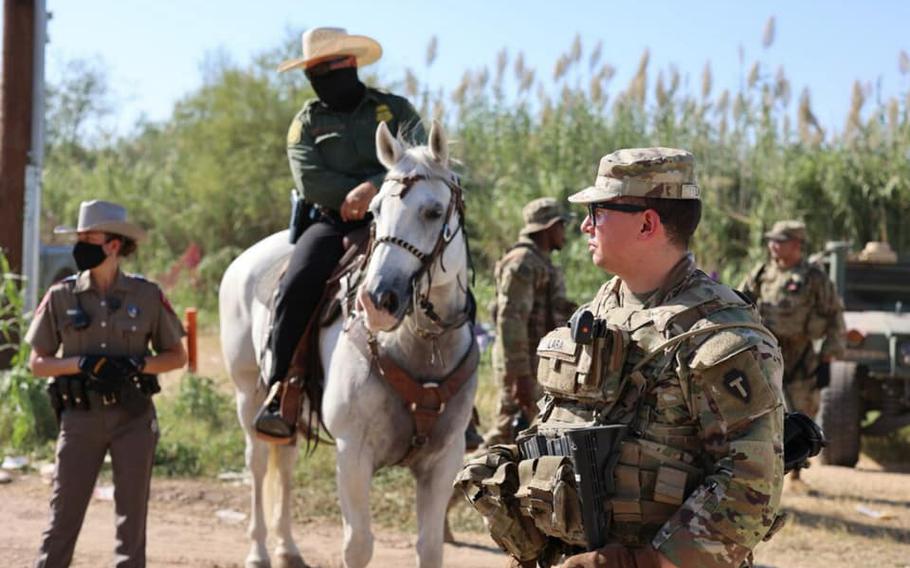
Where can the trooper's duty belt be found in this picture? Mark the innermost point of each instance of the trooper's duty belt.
(79, 391)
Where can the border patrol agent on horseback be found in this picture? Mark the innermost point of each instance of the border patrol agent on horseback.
(530, 300)
(332, 154)
(101, 322)
(660, 435)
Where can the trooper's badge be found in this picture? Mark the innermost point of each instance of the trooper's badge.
(132, 311)
(738, 385)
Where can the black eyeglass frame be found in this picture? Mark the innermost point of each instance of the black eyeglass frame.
(621, 207)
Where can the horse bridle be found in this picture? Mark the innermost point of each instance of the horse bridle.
(446, 235)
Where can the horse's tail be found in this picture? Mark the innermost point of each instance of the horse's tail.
(272, 491)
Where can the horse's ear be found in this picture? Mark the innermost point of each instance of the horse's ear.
(388, 149)
(439, 145)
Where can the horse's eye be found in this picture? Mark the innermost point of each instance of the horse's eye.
(433, 213)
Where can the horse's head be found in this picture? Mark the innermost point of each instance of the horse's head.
(418, 239)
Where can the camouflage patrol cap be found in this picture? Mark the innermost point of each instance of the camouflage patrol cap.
(540, 214)
(665, 173)
(786, 230)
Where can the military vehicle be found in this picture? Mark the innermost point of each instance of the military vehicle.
(869, 393)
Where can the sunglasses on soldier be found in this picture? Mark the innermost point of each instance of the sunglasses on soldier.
(325, 67)
(608, 206)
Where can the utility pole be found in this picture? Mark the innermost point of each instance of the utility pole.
(22, 143)
(16, 125)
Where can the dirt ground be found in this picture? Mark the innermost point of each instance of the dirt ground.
(851, 517)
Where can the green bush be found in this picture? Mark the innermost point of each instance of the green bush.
(199, 430)
(27, 421)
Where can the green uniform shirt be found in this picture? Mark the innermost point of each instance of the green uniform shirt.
(133, 314)
(332, 152)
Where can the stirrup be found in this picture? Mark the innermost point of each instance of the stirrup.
(266, 415)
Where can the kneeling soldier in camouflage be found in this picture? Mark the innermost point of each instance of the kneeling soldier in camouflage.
(659, 438)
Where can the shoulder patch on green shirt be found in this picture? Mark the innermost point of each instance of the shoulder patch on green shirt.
(384, 113)
(295, 131)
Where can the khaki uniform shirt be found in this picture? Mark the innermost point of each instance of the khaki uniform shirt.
(133, 315)
(530, 301)
(799, 305)
(332, 152)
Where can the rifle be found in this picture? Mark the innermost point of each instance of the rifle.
(593, 452)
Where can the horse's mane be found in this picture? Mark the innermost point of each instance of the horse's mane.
(417, 160)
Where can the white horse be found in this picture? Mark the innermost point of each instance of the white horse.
(400, 371)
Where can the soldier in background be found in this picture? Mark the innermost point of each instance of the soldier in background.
(530, 301)
(681, 374)
(798, 302)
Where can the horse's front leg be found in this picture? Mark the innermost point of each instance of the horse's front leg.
(354, 472)
(256, 455)
(434, 488)
(286, 551)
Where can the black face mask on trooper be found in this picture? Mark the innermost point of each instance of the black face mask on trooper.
(88, 255)
(339, 89)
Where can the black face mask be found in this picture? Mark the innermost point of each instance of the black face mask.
(87, 255)
(340, 89)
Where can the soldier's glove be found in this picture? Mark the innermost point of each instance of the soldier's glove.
(615, 556)
(525, 392)
(823, 375)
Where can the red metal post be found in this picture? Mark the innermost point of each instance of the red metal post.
(191, 336)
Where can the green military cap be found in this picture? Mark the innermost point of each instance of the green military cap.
(666, 173)
(786, 230)
(540, 214)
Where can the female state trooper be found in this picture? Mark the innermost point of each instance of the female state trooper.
(332, 154)
(91, 335)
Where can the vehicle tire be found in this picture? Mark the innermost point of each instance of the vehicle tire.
(841, 414)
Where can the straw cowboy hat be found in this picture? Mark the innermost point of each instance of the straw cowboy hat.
(104, 216)
(324, 43)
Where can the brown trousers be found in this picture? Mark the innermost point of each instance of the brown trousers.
(130, 433)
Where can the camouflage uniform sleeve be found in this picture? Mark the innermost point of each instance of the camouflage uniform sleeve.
(167, 329)
(514, 304)
(739, 408)
(750, 285)
(42, 333)
(314, 179)
(562, 307)
(830, 307)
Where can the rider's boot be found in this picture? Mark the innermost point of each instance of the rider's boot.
(271, 424)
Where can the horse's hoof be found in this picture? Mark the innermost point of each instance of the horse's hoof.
(287, 561)
(257, 563)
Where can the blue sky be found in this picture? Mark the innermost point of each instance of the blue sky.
(154, 49)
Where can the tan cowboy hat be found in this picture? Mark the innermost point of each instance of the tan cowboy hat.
(324, 43)
(104, 216)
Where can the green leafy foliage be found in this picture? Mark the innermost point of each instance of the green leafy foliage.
(27, 420)
(199, 431)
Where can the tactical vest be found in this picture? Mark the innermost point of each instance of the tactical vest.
(787, 302)
(636, 367)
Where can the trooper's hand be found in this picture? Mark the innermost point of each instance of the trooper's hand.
(618, 556)
(525, 392)
(110, 369)
(355, 204)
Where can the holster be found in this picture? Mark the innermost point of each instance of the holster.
(302, 216)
